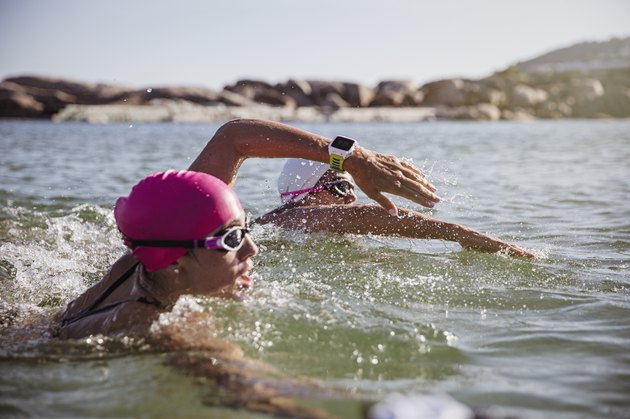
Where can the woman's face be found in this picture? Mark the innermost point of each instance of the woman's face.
(219, 272)
(325, 197)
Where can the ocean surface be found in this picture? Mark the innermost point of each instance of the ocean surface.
(541, 338)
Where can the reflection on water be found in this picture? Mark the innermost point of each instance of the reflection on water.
(361, 315)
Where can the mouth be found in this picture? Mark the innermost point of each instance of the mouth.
(244, 283)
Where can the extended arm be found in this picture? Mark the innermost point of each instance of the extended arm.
(371, 219)
(373, 172)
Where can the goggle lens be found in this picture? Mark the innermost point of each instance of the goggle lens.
(234, 238)
(339, 188)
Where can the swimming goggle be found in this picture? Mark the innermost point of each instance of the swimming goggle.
(230, 239)
(338, 187)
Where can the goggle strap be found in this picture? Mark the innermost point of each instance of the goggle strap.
(215, 242)
(188, 244)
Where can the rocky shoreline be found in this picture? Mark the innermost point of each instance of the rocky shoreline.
(506, 95)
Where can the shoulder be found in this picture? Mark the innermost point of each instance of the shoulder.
(127, 318)
(132, 317)
(89, 296)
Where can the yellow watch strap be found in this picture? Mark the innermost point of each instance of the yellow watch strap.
(336, 162)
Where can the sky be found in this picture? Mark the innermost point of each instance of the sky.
(212, 43)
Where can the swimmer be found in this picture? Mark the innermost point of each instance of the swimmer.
(186, 230)
(316, 198)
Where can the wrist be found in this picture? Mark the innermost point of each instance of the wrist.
(353, 162)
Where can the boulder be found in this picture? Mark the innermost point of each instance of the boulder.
(487, 112)
(261, 92)
(229, 98)
(333, 100)
(615, 104)
(83, 93)
(396, 93)
(449, 92)
(554, 110)
(16, 103)
(476, 93)
(198, 95)
(299, 90)
(326, 93)
(527, 96)
(586, 89)
(357, 95)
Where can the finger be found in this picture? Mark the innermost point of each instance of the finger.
(420, 179)
(416, 174)
(387, 204)
(418, 193)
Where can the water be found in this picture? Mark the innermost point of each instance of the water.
(530, 338)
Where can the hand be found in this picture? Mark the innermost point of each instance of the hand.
(377, 173)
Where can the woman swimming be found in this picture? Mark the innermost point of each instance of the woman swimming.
(187, 231)
(317, 198)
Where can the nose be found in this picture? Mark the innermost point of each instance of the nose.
(249, 249)
(350, 197)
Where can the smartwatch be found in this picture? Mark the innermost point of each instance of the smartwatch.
(339, 150)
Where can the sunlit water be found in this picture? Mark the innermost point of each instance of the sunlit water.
(539, 338)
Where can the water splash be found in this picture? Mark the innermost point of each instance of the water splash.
(60, 255)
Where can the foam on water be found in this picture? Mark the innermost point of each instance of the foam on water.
(59, 256)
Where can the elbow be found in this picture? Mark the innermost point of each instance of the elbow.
(236, 127)
(236, 130)
(229, 129)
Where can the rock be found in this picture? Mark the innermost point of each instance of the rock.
(333, 100)
(234, 99)
(327, 93)
(586, 89)
(554, 110)
(614, 103)
(16, 103)
(336, 94)
(299, 90)
(198, 95)
(396, 93)
(480, 93)
(357, 95)
(261, 92)
(54, 94)
(84, 93)
(448, 92)
(488, 112)
(527, 96)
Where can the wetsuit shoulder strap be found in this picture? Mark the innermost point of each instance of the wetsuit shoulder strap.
(91, 309)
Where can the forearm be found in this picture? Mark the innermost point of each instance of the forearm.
(364, 219)
(409, 224)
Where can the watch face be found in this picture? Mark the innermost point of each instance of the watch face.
(343, 143)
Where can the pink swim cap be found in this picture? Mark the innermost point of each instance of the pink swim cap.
(174, 205)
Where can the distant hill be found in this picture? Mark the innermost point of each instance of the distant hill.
(585, 57)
